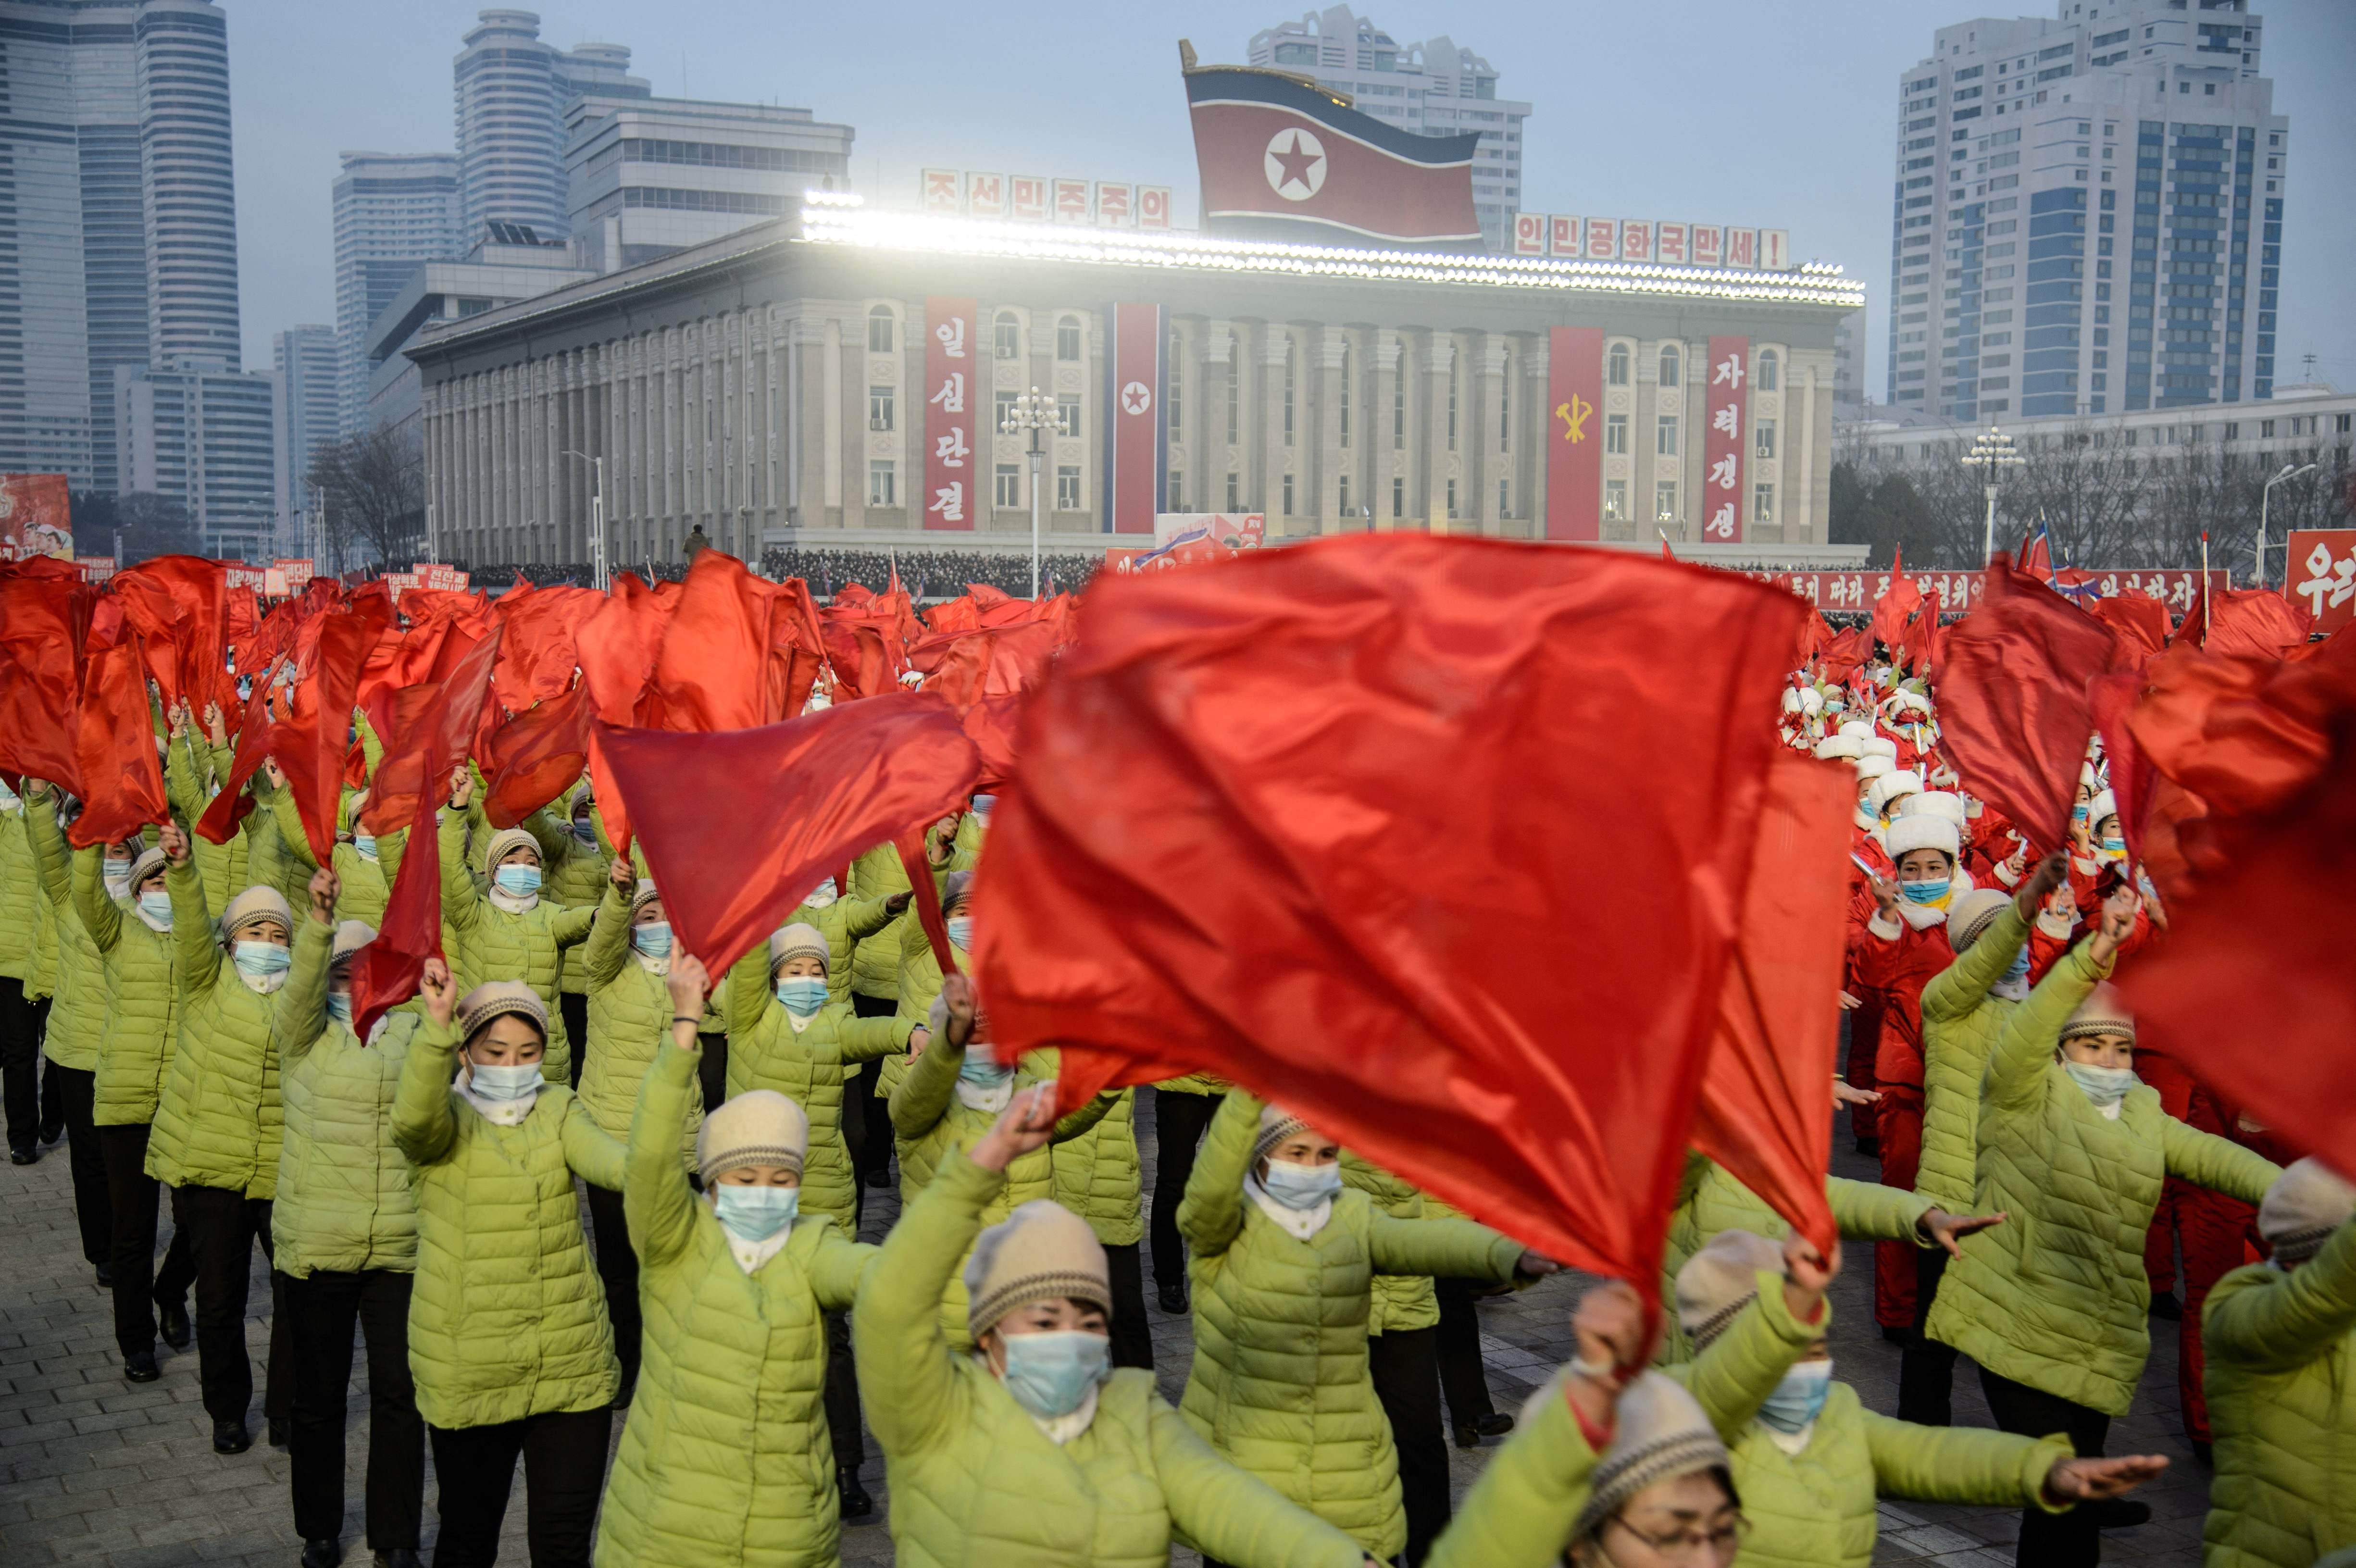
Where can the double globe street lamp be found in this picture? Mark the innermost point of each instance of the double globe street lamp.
(1032, 412)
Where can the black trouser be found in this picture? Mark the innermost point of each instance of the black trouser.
(20, 1064)
(842, 1394)
(712, 1073)
(1463, 1378)
(131, 1199)
(91, 1208)
(860, 1099)
(1406, 1368)
(574, 1008)
(1132, 1336)
(2071, 1539)
(1926, 1368)
(563, 1474)
(617, 1266)
(1180, 1120)
(222, 1227)
(323, 1311)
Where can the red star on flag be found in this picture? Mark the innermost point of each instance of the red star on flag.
(1296, 163)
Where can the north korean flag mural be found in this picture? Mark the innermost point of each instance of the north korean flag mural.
(1136, 433)
(1284, 160)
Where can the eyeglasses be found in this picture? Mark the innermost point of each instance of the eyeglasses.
(1695, 1545)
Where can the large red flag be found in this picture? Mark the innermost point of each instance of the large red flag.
(1420, 837)
(309, 741)
(114, 738)
(534, 756)
(2256, 623)
(538, 651)
(180, 605)
(255, 736)
(2110, 698)
(710, 671)
(429, 729)
(2140, 621)
(2012, 700)
(617, 646)
(738, 825)
(2245, 734)
(40, 672)
(1890, 611)
(386, 972)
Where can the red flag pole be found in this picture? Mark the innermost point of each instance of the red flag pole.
(2205, 618)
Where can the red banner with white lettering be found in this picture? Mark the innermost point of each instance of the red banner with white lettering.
(2320, 572)
(1955, 593)
(1574, 465)
(1727, 407)
(952, 494)
(1136, 434)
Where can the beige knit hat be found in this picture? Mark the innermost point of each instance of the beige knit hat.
(494, 999)
(145, 864)
(1275, 1126)
(957, 889)
(1659, 1432)
(1043, 1252)
(2103, 1013)
(255, 906)
(1719, 1281)
(645, 895)
(2307, 1202)
(351, 936)
(1969, 916)
(797, 939)
(759, 1126)
(505, 840)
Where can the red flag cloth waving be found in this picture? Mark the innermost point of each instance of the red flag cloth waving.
(180, 605)
(1890, 611)
(114, 738)
(535, 756)
(2110, 699)
(2256, 623)
(538, 651)
(40, 671)
(618, 647)
(1422, 837)
(429, 729)
(2140, 621)
(738, 825)
(309, 742)
(1766, 1113)
(231, 803)
(2012, 700)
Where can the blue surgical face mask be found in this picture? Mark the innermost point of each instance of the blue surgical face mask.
(1301, 1185)
(822, 895)
(1800, 1398)
(262, 959)
(2078, 814)
(8, 798)
(653, 939)
(983, 804)
(1050, 1374)
(981, 1067)
(2019, 966)
(2116, 848)
(755, 1213)
(802, 995)
(1926, 893)
(961, 930)
(584, 830)
(503, 1083)
(340, 1006)
(518, 881)
(2105, 1086)
(365, 844)
(116, 875)
(157, 907)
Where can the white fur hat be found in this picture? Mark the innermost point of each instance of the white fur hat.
(1874, 767)
(1935, 803)
(1792, 699)
(1843, 746)
(1922, 831)
(2103, 804)
(1881, 746)
(1811, 699)
(1859, 728)
(1890, 787)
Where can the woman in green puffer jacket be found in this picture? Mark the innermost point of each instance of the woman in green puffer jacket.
(346, 1226)
(247, 998)
(77, 1020)
(575, 860)
(1033, 1453)
(1283, 1260)
(2054, 1304)
(723, 1458)
(1403, 1358)
(1098, 1177)
(508, 1340)
(20, 1062)
(364, 864)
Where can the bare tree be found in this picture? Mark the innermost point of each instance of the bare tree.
(373, 486)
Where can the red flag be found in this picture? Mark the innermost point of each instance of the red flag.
(2141, 623)
(41, 656)
(712, 809)
(308, 743)
(617, 647)
(2035, 557)
(1918, 644)
(1764, 1112)
(1845, 654)
(708, 673)
(2012, 700)
(114, 740)
(2109, 698)
(1890, 613)
(180, 604)
(538, 649)
(429, 729)
(2256, 623)
(2245, 735)
(534, 757)
(386, 972)
(1317, 820)
(253, 741)
(910, 843)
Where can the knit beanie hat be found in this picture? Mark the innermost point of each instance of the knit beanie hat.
(1842, 746)
(1972, 913)
(1719, 1280)
(2103, 1013)
(759, 1126)
(1935, 803)
(1920, 831)
(1660, 1432)
(504, 840)
(351, 936)
(797, 940)
(143, 865)
(645, 895)
(1043, 1252)
(497, 998)
(2307, 1202)
(1890, 787)
(255, 906)
(959, 888)
(2103, 804)
(1275, 1127)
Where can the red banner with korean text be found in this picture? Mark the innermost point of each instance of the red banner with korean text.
(1574, 467)
(1136, 434)
(2320, 572)
(1957, 592)
(952, 496)
(1728, 409)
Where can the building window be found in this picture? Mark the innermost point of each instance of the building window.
(1288, 495)
(882, 490)
(1235, 389)
(1665, 437)
(1763, 503)
(1505, 508)
(1765, 433)
(1399, 499)
(1003, 405)
(1615, 434)
(1451, 416)
(1398, 413)
(1615, 500)
(1067, 413)
(880, 409)
(1177, 493)
(1769, 376)
(1617, 374)
(1345, 497)
(1235, 493)
(1009, 492)
(1664, 501)
(1669, 367)
(1067, 339)
(1505, 409)
(1288, 404)
(1175, 391)
(879, 332)
(1451, 497)
(1009, 335)
(1067, 488)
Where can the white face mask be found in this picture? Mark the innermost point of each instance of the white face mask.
(2105, 1086)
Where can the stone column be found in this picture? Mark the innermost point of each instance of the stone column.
(1803, 522)
(1477, 431)
(1532, 425)
(1438, 459)
(1329, 461)
(1276, 458)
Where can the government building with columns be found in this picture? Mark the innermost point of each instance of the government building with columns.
(770, 388)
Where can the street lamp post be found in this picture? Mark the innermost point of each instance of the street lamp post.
(2289, 471)
(1032, 412)
(1991, 454)
(597, 518)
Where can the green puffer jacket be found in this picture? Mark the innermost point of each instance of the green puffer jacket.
(1279, 1383)
(494, 944)
(1961, 1024)
(1402, 1302)
(875, 965)
(845, 923)
(188, 773)
(366, 883)
(2056, 1297)
(344, 1197)
(269, 859)
(1097, 1173)
(975, 1482)
(573, 875)
(807, 1066)
(507, 1318)
(19, 892)
(143, 995)
(78, 1015)
(41, 969)
(629, 1020)
(2281, 1381)
(220, 1121)
(919, 976)
(725, 1457)
(1521, 1511)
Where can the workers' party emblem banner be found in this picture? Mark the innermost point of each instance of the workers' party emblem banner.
(1727, 402)
(1574, 462)
(953, 389)
(1136, 432)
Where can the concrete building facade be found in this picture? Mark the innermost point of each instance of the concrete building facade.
(207, 436)
(305, 369)
(392, 211)
(511, 91)
(491, 274)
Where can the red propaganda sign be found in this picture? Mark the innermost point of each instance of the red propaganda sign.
(36, 517)
(94, 568)
(298, 572)
(433, 574)
(2319, 572)
(952, 390)
(1846, 593)
(1728, 410)
(1136, 438)
(1574, 465)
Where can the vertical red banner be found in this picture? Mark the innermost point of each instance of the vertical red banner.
(953, 494)
(1574, 465)
(1136, 438)
(1726, 395)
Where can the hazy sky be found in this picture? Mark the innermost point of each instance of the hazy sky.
(1778, 113)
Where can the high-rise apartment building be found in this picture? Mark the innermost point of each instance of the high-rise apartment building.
(392, 211)
(206, 436)
(2087, 212)
(1434, 88)
(512, 90)
(118, 220)
(305, 368)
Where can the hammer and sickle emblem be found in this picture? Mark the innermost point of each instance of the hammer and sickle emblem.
(1573, 415)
